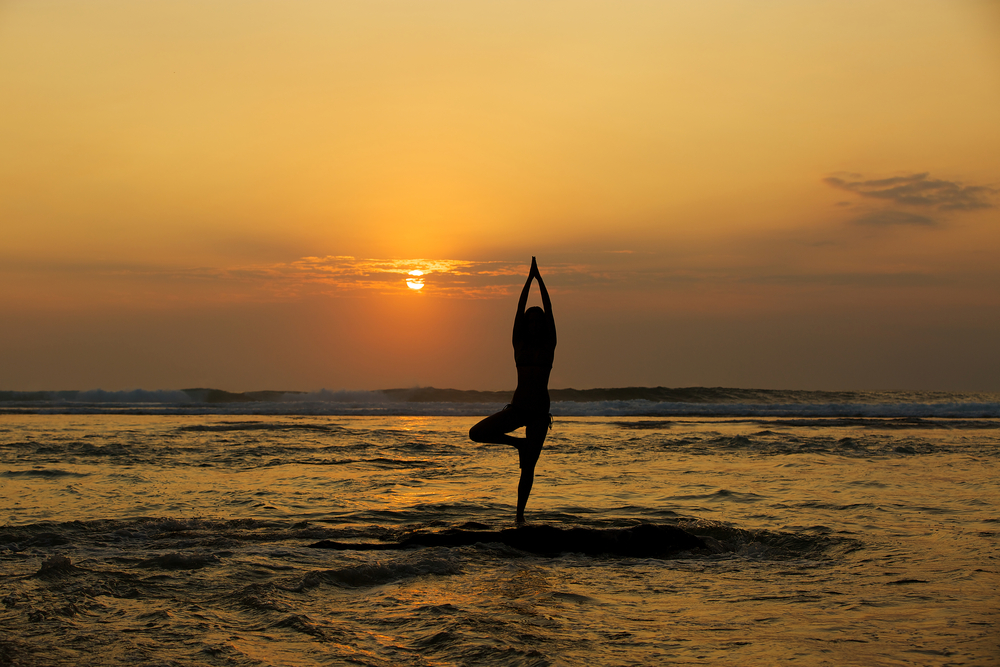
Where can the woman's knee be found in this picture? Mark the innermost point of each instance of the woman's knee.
(482, 432)
(476, 433)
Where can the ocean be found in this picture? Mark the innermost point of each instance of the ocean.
(697, 526)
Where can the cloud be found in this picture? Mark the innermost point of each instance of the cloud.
(920, 190)
(889, 218)
(350, 274)
(334, 274)
(346, 274)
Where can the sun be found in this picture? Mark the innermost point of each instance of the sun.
(417, 280)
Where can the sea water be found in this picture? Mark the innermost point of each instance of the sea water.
(166, 533)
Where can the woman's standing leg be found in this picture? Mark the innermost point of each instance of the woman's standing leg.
(528, 450)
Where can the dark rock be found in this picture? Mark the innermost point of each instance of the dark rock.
(643, 541)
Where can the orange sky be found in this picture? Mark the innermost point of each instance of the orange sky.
(772, 194)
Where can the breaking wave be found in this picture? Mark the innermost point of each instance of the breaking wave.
(430, 401)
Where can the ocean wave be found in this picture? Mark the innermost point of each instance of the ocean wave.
(378, 573)
(429, 401)
(559, 409)
(45, 473)
(643, 408)
(255, 426)
(128, 397)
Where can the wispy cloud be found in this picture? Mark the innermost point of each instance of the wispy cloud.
(347, 274)
(335, 274)
(890, 218)
(920, 190)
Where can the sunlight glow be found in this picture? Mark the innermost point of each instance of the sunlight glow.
(417, 281)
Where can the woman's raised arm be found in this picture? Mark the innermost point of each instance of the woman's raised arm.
(523, 300)
(546, 304)
(521, 303)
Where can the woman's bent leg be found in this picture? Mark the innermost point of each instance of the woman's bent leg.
(494, 429)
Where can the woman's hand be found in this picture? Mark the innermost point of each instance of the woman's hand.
(533, 273)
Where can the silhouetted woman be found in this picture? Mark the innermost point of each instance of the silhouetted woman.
(534, 341)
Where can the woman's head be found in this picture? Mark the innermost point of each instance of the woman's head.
(534, 317)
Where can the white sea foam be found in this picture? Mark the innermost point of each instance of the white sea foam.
(338, 396)
(131, 396)
(884, 410)
(697, 402)
(382, 407)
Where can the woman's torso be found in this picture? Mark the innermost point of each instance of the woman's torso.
(534, 350)
(532, 388)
